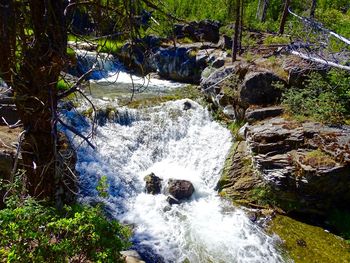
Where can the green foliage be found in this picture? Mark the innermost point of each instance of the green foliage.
(273, 40)
(37, 232)
(235, 126)
(32, 232)
(109, 46)
(324, 98)
(63, 84)
(102, 187)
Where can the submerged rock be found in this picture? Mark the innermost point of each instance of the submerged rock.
(153, 184)
(180, 189)
(172, 200)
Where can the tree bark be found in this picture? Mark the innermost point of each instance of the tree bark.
(284, 16)
(7, 39)
(313, 8)
(236, 33)
(264, 10)
(34, 84)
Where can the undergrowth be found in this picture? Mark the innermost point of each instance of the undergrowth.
(33, 231)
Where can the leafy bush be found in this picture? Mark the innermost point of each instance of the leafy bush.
(32, 232)
(37, 232)
(324, 97)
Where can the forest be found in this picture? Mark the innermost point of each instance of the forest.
(174, 131)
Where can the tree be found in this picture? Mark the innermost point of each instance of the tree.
(262, 10)
(34, 37)
(284, 16)
(236, 35)
(34, 52)
(313, 8)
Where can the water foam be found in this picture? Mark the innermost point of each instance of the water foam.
(172, 143)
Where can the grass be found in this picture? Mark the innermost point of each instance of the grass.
(189, 92)
(276, 40)
(317, 158)
(109, 46)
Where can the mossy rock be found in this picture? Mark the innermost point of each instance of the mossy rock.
(309, 244)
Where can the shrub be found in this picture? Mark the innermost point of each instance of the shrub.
(32, 232)
(323, 97)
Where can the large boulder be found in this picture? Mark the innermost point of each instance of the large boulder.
(307, 165)
(179, 64)
(205, 30)
(258, 88)
(180, 189)
(153, 184)
(253, 114)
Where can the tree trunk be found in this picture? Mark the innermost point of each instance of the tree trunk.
(36, 93)
(236, 33)
(264, 10)
(7, 39)
(241, 27)
(284, 16)
(258, 10)
(313, 8)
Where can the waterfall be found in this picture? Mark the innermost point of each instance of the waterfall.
(172, 142)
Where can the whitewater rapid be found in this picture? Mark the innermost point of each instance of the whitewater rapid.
(171, 142)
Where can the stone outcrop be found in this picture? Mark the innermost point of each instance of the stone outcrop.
(153, 184)
(301, 167)
(258, 89)
(180, 62)
(257, 114)
(240, 86)
(205, 30)
(180, 189)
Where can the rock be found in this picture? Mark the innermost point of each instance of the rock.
(225, 42)
(187, 105)
(179, 64)
(180, 189)
(305, 164)
(205, 30)
(172, 200)
(208, 83)
(153, 184)
(131, 256)
(89, 46)
(218, 62)
(258, 89)
(252, 115)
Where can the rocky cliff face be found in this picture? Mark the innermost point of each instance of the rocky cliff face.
(303, 167)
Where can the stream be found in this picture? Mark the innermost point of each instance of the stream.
(172, 142)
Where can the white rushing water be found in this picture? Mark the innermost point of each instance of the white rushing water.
(172, 143)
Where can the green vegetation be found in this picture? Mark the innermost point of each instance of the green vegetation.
(323, 97)
(109, 46)
(189, 92)
(333, 14)
(33, 231)
(309, 244)
(317, 158)
(271, 40)
(62, 84)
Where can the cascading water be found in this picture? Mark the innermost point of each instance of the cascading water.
(172, 142)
